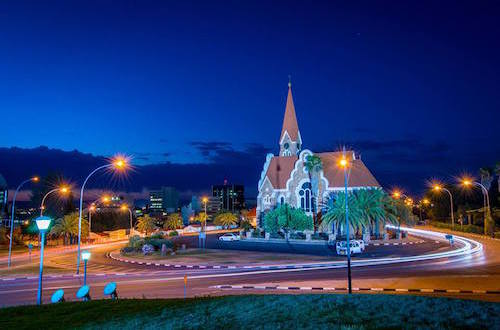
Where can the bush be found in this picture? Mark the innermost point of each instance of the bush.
(157, 236)
(147, 249)
(173, 233)
(465, 228)
(258, 233)
(157, 243)
(298, 235)
(277, 235)
(127, 249)
(320, 236)
(136, 242)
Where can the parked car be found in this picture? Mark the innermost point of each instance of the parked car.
(341, 247)
(361, 244)
(229, 237)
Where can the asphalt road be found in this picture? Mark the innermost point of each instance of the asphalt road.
(477, 272)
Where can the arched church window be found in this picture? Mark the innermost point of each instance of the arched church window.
(306, 199)
(287, 153)
(267, 199)
(282, 200)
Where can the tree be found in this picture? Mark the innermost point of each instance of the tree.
(187, 212)
(67, 228)
(146, 224)
(202, 218)
(485, 174)
(335, 212)
(287, 218)
(314, 166)
(225, 219)
(174, 221)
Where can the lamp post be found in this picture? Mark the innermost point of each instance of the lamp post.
(438, 187)
(91, 208)
(123, 208)
(13, 211)
(118, 163)
(205, 201)
(344, 164)
(85, 257)
(468, 183)
(63, 190)
(43, 224)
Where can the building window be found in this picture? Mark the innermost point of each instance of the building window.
(282, 200)
(267, 199)
(287, 153)
(306, 198)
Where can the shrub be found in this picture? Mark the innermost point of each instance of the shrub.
(147, 249)
(157, 243)
(173, 233)
(277, 235)
(320, 236)
(127, 249)
(136, 242)
(157, 236)
(298, 235)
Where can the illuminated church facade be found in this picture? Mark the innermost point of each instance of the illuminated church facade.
(284, 178)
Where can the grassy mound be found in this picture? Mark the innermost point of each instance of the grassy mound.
(260, 311)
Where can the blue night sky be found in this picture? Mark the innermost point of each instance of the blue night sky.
(412, 86)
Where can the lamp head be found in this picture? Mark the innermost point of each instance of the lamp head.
(396, 194)
(120, 162)
(85, 255)
(467, 182)
(106, 199)
(343, 162)
(425, 201)
(436, 187)
(204, 199)
(43, 223)
(124, 207)
(64, 189)
(35, 179)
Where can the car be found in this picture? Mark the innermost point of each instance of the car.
(361, 244)
(355, 247)
(229, 237)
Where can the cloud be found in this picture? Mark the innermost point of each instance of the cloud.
(240, 166)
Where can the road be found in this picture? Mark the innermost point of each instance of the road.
(480, 271)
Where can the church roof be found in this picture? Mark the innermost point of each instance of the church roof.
(279, 170)
(360, 175)
(281, 167)
(290, 120)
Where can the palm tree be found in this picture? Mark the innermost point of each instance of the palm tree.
(335, 213)
(201, 218)
(375, 205)
(67, 227)
(486, 177)
(225, 219)
(146, 224)
(173, 221)
(314, 166)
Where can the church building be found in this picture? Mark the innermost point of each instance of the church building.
(284, 178)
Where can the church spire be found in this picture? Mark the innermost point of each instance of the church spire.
(290, 140)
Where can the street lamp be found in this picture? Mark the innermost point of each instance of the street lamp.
(43, 224)
(125, 207)
(344, 164)
(91, 209)
(438, 187)
(85, 257)
(205, 201)
(13, 211)
(118, 163)
(486, 198)
(62, 189)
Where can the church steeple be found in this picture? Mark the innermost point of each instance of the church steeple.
(290, 140)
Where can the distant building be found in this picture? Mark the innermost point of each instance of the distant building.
(213, 205)
(4, 196)
(231, 196)
(165, 199)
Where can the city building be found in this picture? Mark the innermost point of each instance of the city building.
(231, 196)
(165, 199)
(4, 197)
(284, 178)
(213, 205)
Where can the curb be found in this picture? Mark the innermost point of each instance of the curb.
(308, 288)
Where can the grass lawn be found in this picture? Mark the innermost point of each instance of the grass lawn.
(226, 256)
(260, 311)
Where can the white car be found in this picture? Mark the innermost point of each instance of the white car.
(229, 237)
(361, 244)
(341, 247)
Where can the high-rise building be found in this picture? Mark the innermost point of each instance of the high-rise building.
(231, 196)
(166, 199)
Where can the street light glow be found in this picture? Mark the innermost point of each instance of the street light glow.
(437, 187)
(396, 194)
(42, 223)
(120, 162)
(35, 179)
(85, 255)
(204, 199)
(343, 162)
(124, 207)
